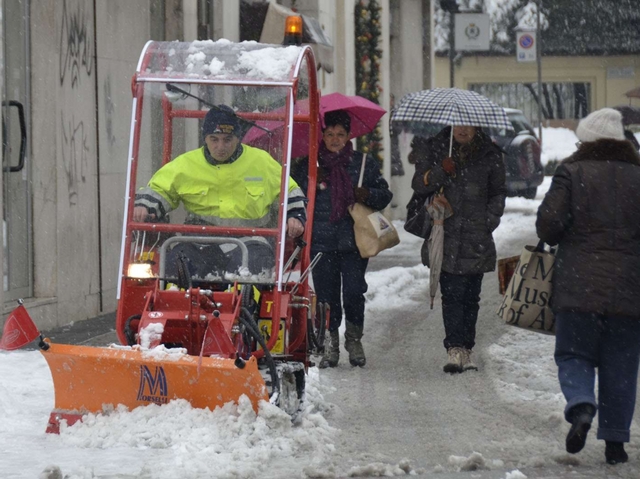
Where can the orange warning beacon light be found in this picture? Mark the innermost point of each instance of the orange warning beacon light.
(293, 30)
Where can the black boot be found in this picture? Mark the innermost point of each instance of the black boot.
(614, 453)
(581, 417)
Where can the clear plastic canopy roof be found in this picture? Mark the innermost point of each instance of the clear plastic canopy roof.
(219, 61)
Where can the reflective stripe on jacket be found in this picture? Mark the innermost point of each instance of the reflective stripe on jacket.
(240, 193)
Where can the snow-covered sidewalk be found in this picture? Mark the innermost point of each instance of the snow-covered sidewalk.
(398, 416)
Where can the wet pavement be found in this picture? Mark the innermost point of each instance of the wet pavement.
(98, 331)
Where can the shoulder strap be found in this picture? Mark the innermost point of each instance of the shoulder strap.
(364, 159)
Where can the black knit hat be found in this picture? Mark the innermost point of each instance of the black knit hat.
(221, 119)
(337, 117)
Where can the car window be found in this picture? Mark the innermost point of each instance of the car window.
(520, 123)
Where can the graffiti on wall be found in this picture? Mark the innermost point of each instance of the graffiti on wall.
(76, 44)
(75, 154)
(77, 117)
(109, 109)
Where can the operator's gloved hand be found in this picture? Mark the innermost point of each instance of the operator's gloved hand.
(449, 166)
(361, 193)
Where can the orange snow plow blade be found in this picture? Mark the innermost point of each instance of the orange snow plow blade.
(88, 379)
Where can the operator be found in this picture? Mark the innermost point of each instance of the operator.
(223, 183)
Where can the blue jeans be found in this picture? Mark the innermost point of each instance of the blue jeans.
(341, 275)
(460, 306)
(586, 341)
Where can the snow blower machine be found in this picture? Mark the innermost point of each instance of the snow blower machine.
(208, 336)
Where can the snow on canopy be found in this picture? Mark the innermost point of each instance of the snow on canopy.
(588, 27)
(219, 60)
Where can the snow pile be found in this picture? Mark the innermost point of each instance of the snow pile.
(51, 472)
(232, 440)
(397, 286)
(394, 287)
(524, 371)
(174, 440)
(274, 63)
(150, 334)
(379, 469)
(475, 462)
(515, 475)
(557, 144)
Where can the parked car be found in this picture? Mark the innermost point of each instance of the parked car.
(521, 145)
(522, 159)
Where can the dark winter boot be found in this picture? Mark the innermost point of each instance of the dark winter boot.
(580, 417)
(353, 345)
(614, 453)
(331, 351)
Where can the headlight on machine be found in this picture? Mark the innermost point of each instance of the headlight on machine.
(140, 271)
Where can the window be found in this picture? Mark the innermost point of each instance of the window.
(559, 100)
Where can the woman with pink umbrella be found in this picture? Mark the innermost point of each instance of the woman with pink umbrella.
(339, 276)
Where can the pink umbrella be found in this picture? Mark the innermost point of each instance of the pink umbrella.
(273, 142)
(364, 117)
(364, 114)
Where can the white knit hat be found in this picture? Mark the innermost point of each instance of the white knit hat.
(603, 123)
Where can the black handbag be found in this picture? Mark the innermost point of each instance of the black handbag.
(418, 220)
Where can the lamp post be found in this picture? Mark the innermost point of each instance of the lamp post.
(539, 60)
(451, 6)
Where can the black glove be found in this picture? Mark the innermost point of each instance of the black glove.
(361, 193)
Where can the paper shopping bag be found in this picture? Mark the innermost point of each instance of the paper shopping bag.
(374, 232)
(526, 302)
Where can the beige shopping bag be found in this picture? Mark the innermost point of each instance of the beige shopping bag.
(374, 232)
(526, 302)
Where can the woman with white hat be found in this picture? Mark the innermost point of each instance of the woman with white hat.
(592, 211)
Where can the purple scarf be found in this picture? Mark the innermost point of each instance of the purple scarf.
(335, 165)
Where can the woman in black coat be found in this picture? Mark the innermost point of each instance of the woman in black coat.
(340, 272)
(473, 181)
(592, 211)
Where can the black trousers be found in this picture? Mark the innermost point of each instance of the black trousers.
(460, 305)
(342, 273)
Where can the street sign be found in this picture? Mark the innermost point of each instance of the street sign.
(526, 46)
(472, 32)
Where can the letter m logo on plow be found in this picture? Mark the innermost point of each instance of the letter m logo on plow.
(153, 387)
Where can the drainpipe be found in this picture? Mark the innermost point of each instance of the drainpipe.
(99, 200)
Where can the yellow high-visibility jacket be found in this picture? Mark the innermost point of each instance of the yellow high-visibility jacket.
(240, 193)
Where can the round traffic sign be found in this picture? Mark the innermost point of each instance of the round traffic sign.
(526, 41)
